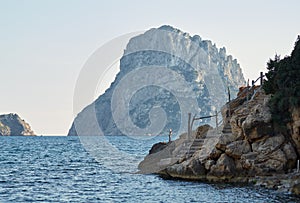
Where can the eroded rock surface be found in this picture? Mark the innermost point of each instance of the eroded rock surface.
(245, 147)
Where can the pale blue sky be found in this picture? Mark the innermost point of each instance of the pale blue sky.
(44, 44)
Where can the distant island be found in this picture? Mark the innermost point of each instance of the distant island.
(12, 125)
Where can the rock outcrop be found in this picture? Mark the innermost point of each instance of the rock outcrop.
(244, 149)
(294, 127)
(12, 124)
(151, 67)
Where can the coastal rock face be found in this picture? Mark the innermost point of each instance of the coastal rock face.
(252, 121)
(158, 147)
(246, 148)
(12, 124)
(294, 127)
(153, 66)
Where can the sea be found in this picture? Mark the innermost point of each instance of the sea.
(103, 169)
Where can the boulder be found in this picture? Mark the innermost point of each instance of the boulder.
(197, 167)
(208, 150)
(267, 145)
(238, 148)
(215, 154)
(224, 140)
(275, 162)
(290, 154)
(271, 155)
(202, 131)
(258, 123)
(179, 170)
(189, 169)
(247, 160)
(158, 147)
(236, 121)
(224, 167)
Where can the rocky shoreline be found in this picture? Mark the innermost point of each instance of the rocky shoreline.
(245, 149)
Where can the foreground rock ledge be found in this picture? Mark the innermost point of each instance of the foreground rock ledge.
(245, 149)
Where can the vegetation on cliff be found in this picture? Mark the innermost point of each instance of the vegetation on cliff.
(283, 82)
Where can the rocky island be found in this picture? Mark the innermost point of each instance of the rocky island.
(258, 142)
(151, 67)
(12, 125)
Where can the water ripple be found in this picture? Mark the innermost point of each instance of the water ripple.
(58, 169)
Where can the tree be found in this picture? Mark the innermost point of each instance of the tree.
(283, 82)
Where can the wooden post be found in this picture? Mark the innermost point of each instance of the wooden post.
(261, 78)
(228, 93)
(229, 111)
(216, 120)
(189, 126)
(253, 82)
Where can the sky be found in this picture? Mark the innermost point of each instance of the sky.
(44, 44)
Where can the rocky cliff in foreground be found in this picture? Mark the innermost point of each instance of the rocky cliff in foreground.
(245, 149)
(12, 124)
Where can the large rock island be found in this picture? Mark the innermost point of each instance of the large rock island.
(166, 68)
(12, 125)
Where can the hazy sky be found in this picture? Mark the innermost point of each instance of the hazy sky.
(44, 44)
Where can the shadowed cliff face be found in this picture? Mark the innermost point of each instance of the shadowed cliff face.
(12, 124)
(294, 127)
(152, 69)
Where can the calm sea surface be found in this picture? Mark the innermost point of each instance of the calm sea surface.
(60, 169)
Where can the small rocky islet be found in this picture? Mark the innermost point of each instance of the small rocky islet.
(13, 125)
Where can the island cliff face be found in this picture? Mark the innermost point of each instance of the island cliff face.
(198, 61)
(245, 148)
(13, 125)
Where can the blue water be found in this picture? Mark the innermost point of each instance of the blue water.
(59, 169)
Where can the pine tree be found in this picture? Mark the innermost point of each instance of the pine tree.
(283, 82)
